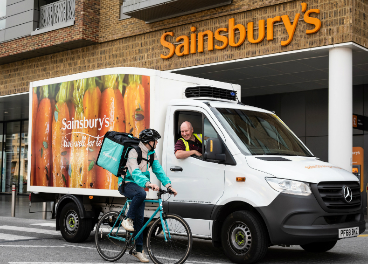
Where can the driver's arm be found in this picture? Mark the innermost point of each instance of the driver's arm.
(182, 154)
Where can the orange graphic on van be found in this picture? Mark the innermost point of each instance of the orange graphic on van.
(69, 121)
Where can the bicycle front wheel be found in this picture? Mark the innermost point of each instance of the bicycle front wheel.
(177, 245)
(110, 242)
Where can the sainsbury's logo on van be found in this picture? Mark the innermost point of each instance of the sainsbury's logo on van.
(110, 157)
(86, 123)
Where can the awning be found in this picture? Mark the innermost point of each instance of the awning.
(14, 107)
(284, 72)
(155, 10)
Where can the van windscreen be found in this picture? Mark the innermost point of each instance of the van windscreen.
(262, 133)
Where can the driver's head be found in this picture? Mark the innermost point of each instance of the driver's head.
(186, 130)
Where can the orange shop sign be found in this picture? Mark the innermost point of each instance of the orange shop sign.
(227, 35)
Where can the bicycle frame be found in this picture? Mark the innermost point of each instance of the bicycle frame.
(165, 227)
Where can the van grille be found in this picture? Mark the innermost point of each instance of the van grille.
(330, 195)
(207, 91)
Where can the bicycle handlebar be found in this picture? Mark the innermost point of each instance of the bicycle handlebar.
(161, 191)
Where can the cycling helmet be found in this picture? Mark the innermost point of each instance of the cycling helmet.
(148, 135)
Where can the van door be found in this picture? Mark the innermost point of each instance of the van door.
(199, 182)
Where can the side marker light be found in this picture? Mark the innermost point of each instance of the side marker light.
(240, 179)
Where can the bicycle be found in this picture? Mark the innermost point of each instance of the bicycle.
(169, 237)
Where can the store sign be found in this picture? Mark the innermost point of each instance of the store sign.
(227, 35)
(360, 122)
(358, 164)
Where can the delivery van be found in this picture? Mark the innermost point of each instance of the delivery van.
(255, 185)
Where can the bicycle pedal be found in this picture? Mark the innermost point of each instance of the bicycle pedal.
(131, 251)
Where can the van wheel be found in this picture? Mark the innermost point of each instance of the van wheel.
(72, 227)
(244, 238)
(319, 246)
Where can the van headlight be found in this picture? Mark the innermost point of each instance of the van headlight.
(289, 186)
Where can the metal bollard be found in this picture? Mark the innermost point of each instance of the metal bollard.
(13, 201)
(44, 210)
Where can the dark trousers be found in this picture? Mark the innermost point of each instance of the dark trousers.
(136, 210)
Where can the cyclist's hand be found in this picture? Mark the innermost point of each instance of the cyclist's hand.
(154, 187)
(173, 190)
(197, 153)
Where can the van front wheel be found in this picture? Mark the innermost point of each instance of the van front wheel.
(244, 238)
(319, 246)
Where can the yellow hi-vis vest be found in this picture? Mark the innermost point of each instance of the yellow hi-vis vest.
(186, 144)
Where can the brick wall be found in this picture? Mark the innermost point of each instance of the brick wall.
(360, 22)
(144, 50)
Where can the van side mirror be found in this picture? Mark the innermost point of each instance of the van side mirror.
(214, 150)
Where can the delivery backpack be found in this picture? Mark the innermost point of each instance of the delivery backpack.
(114, 152)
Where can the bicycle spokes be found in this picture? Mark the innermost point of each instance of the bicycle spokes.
(110, 242)
(177, 245)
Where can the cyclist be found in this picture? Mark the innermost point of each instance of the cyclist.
(136, 179)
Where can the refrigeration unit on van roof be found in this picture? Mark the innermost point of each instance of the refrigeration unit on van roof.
(210, 92)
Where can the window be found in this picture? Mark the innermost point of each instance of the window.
(2, 24)
(209, 131)
(201, 125)
(2, 13)
(2, 9)
(195, 118)
(261, 133)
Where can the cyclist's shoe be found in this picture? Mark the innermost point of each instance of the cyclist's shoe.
(128, 224)
(141, 256)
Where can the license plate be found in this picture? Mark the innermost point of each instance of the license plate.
(348, 232)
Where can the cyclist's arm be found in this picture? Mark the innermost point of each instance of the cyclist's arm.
(159, 172)
(133, 168)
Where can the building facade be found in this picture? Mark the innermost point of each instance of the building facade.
(305, 60)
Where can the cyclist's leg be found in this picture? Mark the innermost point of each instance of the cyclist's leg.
(138, 224)
(137, 195)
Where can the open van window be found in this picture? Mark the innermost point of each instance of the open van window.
(262, 133)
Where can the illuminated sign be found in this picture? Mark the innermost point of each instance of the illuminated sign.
(226, 36)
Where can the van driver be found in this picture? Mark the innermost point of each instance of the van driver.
(189, 144)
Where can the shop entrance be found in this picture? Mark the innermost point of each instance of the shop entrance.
(14, 143)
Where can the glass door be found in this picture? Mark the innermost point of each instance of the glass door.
(23, 158)
(11, 165)
(2, 183)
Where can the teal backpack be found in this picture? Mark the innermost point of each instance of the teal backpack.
(114, 152)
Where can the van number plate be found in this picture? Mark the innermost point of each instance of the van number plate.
(348, 232)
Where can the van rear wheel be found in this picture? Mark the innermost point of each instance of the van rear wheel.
(244, 238)
(319, 246)
(72, 227)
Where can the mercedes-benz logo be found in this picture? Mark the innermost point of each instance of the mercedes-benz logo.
(348, 194)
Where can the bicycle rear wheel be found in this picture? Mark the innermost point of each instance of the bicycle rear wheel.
(178, 245)
(110, 247)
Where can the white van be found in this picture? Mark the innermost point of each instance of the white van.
(256, 184)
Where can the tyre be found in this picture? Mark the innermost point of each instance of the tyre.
(319, 246)
(72, 227)
(177, 247)
(110, 248)
(244, 237)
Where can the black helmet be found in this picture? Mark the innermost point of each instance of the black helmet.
(148, 135)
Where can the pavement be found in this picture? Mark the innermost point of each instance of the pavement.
(33, 241)
(27, 239)
(22, 209)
